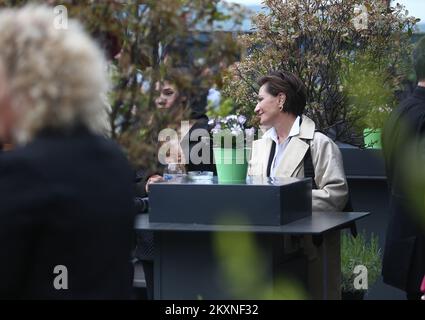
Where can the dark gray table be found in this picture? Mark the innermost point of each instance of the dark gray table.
(317, 224)
(184, 262)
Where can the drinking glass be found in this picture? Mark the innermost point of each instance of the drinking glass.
(173, 171)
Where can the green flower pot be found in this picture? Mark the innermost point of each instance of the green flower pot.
(231, 164)
(372, 138)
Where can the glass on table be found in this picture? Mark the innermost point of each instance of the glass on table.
(174, 170)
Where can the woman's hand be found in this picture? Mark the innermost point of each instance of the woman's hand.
(153, 179)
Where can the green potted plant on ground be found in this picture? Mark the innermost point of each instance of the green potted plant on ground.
(361, 263)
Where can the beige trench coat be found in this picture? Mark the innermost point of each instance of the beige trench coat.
(331, 195)
(332, 192)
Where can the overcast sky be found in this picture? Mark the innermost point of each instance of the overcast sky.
(416, 7)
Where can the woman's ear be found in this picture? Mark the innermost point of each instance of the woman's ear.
(282, 100)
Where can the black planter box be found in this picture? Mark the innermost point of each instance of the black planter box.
(363, 163)
(258, 201)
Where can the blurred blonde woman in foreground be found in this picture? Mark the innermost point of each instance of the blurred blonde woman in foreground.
(66, 210)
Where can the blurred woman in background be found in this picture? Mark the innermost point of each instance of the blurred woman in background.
(178, 99)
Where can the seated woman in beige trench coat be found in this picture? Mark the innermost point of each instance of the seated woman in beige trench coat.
(281, 103)
(281, 151)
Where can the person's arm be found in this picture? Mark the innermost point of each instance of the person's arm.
(153, 179)
(255, 164)
(332, 189)
(252, 163)
(143, 179)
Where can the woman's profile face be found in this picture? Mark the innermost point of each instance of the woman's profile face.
(167, 95)
(268, 106)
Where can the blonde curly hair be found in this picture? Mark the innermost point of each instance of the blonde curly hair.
(57, 77)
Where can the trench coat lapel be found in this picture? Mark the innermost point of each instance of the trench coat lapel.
(292, 157)
(265, 154)
(294, 153)
(296, 149)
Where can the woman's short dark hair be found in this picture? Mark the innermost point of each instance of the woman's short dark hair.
(289, 84)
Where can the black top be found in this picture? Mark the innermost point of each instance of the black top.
(66, 199)
(405, 126)
(201, 123)
(145, 246)
(404, 257)
(141, 176)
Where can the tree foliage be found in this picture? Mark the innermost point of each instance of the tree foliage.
(347, 52)
(143, 40)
